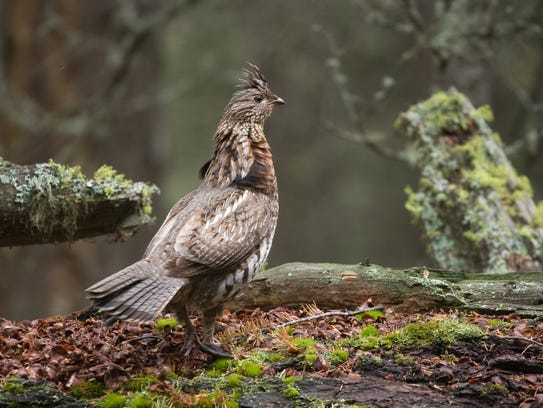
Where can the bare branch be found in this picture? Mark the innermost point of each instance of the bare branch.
(357, 134)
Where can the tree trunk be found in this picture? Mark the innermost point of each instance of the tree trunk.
(349, 286)
(48, 202)
(477, 212)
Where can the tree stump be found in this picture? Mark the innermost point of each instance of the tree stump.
(476, 211)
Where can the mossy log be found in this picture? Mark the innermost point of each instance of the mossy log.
(49, 202)
(412, 290)
(22, 392)
(477, 212)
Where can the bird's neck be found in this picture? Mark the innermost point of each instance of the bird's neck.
(242, 158)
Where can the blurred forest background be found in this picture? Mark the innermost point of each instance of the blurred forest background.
(141, 85)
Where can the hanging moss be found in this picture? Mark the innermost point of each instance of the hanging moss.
(55, 196)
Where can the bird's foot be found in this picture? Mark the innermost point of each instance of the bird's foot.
(190, 344)
(210, 347)
(213, 349)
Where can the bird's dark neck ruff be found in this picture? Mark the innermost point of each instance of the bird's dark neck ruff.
(242, 158)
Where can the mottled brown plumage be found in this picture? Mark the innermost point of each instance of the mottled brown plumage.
(214, 239)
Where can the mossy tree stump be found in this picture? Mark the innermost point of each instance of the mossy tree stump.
(476, 211)
(49, 202)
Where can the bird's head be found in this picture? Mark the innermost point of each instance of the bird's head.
(254, 102)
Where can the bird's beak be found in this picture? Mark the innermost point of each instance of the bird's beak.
(278, 101)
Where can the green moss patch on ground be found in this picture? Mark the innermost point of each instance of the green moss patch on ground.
(434, 358)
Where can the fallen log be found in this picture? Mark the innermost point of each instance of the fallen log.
(413, 289)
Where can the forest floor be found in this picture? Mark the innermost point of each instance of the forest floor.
(375, 359)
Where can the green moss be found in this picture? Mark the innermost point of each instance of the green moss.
(233, 380)
(369, 331)
(140, 400)
(366, 340)
(66, 174)
(141, 383)
(338, 356)
(166, 324)
(482, 172)
(222, 364)
(465, 177)
(498, 388)
(442, 108)
(262, 356)
(290, 379)
(229, 403)
(110, 181)
(537, 218)
(106, 172)
(446, 331)
(499, 323)
(310, 356)
(147, 192)
(249, 369)
(273, 357)
(374, 314)
(88, 390)
(214, 373)
(112, 400)
(484, 112)
(413, 204)
(306, 349)
(56, 195)
(291, 392)
(13, 385)
(302, 343)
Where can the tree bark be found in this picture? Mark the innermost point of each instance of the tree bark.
(349, 286)
(48, 202)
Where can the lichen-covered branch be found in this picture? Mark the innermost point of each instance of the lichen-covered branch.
(477, 212)
(49, 202)
(411, 290)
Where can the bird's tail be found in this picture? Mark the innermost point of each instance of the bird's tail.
(137, 293)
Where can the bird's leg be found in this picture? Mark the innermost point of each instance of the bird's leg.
(183, 315)
(208, 324)
(208, 343)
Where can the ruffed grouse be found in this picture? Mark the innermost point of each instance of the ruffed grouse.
(215, 238)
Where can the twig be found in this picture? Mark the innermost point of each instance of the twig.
(358, 134)
(537, 343)
(327, 314)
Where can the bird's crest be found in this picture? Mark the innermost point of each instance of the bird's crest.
(253, 79)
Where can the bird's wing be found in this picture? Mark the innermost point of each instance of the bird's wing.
(161, 241)
(224, 229)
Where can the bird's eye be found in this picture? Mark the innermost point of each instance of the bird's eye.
(257, 99)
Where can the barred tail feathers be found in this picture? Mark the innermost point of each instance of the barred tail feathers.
(124, 278)
(136, 293)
